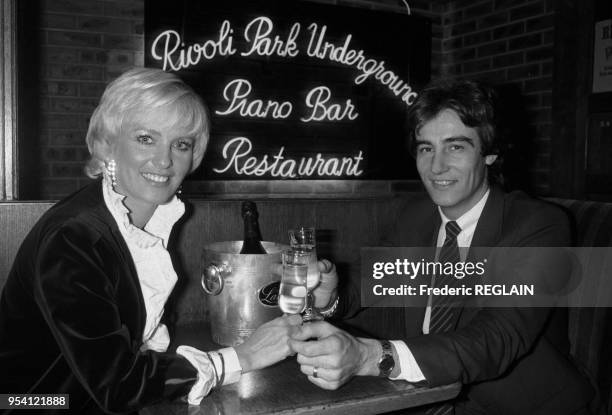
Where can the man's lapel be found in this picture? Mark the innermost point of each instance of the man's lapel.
(426, 230)
(419, 228)
(489, 228)
(487, 234)
(426, 235)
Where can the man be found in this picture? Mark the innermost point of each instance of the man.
(509, 360)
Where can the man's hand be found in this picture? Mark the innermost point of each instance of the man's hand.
(336, 355)
(325, 292)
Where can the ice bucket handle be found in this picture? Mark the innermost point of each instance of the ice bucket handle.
(212, 277)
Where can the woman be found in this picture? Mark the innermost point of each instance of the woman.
(80, 312)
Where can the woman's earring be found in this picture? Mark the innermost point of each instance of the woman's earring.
(111, 167)
(179, 190)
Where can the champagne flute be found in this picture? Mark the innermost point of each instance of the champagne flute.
(292, 298)
(303, 239)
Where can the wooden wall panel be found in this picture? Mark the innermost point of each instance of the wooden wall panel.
(16, 220)
(343, 226)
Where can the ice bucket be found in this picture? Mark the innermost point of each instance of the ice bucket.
(241, 290)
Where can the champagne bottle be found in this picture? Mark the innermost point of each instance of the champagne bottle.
(252, 234)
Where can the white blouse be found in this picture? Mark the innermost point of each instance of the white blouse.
(148, 248)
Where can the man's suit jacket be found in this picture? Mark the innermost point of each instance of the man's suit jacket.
(510, 360)
(72, 316)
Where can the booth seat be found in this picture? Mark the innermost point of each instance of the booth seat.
(590, 329)
(343, 227)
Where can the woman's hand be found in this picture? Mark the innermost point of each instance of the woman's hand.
(268, 344)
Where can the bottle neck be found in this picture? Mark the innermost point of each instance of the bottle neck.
(251, 227)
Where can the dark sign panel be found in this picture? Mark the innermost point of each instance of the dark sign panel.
(297, 90)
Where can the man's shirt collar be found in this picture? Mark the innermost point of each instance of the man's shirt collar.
(467, 222)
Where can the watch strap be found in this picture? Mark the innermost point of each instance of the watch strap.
(386, 362)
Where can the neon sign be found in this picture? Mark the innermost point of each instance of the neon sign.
(169, 48)
(259, 38)
(257, 33)
(319, 48)
(318, 101)
(237, 92)
(236, 154)
(175, 57)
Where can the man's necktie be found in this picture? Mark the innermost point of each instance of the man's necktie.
(443, 311)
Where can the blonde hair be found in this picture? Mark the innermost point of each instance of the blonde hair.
(137, 90)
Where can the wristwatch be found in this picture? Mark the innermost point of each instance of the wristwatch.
(386, 362)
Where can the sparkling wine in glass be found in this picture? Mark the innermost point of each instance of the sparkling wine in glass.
(293, 291)
(303, 239)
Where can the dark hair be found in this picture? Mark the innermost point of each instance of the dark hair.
(474, 103)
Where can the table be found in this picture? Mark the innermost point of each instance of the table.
(282, 389)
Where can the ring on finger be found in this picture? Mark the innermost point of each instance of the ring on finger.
(314, 372)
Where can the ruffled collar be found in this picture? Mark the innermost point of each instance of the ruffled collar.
(157, 229)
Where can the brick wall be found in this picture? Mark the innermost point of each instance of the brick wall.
(508, 42)
(85, 43)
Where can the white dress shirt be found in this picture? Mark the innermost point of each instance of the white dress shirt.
(148, 248)
(409, 368)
